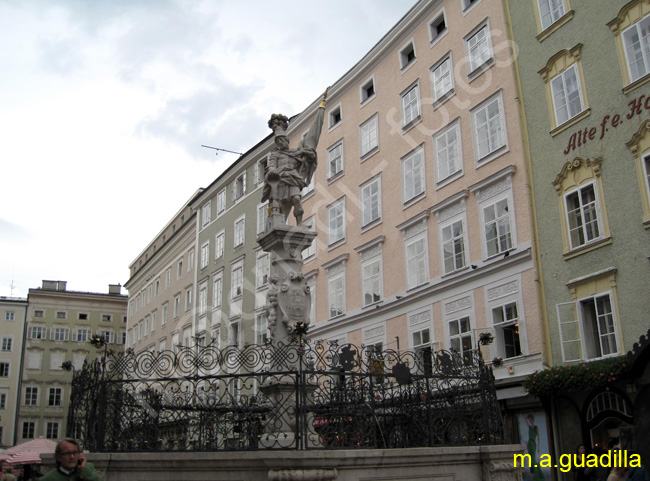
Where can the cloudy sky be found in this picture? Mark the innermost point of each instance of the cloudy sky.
(104, 106)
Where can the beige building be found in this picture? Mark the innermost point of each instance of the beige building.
(420, 201)
(161, 287)
(60, 325)
(13, 313)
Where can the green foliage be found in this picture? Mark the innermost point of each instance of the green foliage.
(581, 376)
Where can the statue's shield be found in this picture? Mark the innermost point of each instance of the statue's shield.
(294, 302)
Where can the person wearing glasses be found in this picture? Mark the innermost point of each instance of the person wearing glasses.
(71, 464)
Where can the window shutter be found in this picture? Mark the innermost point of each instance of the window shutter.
(234, 191)
(243, 189)
(569, 331)
(256, 173)
(75, 334)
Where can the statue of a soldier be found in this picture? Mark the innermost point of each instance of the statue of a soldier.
(289, 171)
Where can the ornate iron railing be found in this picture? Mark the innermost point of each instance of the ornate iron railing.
(295, 396)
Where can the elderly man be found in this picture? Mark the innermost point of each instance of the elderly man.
(71, 464)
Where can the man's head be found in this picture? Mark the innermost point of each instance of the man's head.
(67, 453)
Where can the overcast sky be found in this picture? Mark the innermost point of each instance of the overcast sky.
(104, 105)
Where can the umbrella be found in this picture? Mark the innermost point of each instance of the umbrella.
(24, 457)
(38, 445)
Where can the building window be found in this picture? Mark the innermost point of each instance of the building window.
(203, 299)
(417, 264)
(460, 338)
(52, 430)
(371, 279)
(165, 312)
(497, 227)
(437, 28)
(3, 403)
(368, 90)
(407, 55)
(335, 117)
(421, 342)
(411, 106)
(262, 215)
(335, 160)
(550, 11)
(4, 369)
(310, 251)
(336, 221)
(261, 328)
(59, 333)
(10, 316)
(239, 232)
(31, 396)
(205, 214)
(488, 125)
(582, 215)
(29, 429)
(369, 136)
(205, 255)
(217, 290)
(370, 196)
(448, 152)
(83, 316)
(7, 344)
(219, 244)
(81, 334)
(36, 332)
(262, 269)
(505, 320)
(336, 292)
(567, 95)
(221, 202)
(188, 299)
(237, 280)
(453, 246)
(239, 186)
(636, 40)
(311, 283)
(54, 398)
(235, 334)
(469, 3)
(177, 305)
(442, 80)
(179, 270)
(413, 183)
(61, 315)
(309, 188)
(37, 313)
(260, 171)
(479, 50)
(168, 278)
(34, 360)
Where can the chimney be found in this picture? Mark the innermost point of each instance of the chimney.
(115, 289)
(54, 285)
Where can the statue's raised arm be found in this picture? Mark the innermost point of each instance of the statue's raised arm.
(290, 170)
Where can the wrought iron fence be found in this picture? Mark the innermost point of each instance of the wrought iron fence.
(297, 396)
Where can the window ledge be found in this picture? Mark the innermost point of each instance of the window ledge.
(336, 244)
(334, 126)
(446, 96)
(555, 26)
(414, 200)
(637, 83)
(587, 248)
(368, 100)
(471, 76)
(337, 317)
(371, 225)
(374, 305)
(449, 179)
(369, 154)
(412, 123)
(454, 272)
(406, 67)
(492, 155)
(572, 121)
(335, 177)
(309, 194)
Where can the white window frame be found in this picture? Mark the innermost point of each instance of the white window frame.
(203, 298)
(261, 327)
(336, 222)
(369, 136)
(262, 215)
(37, 332)
(310, 252)
(217, 290)
(421, 338)
(311, 283)
(411, 106)
(479, 51)
(237, 280)
(367, 91)
(262, 269)
(335, 156)
(239, 186)
(501, 322)
(450, 236)
(239, 231)
(7, 343)
(583, 215)
(372, 282)
(205, 214)
(407, 55)
(370, 200)
(445, 171)
(177, 305)
(221, 202)
(57, 393)
(336, 298)
(495, 145)
(219, 244)
(205, 254)
(435, 34)
(561, 89)
(234, 334)
(442, 74)
(59, 333)
(31, 396)
(412, 174)
(335, 117)
(549, 13)
(416, 259)
(644, 50)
